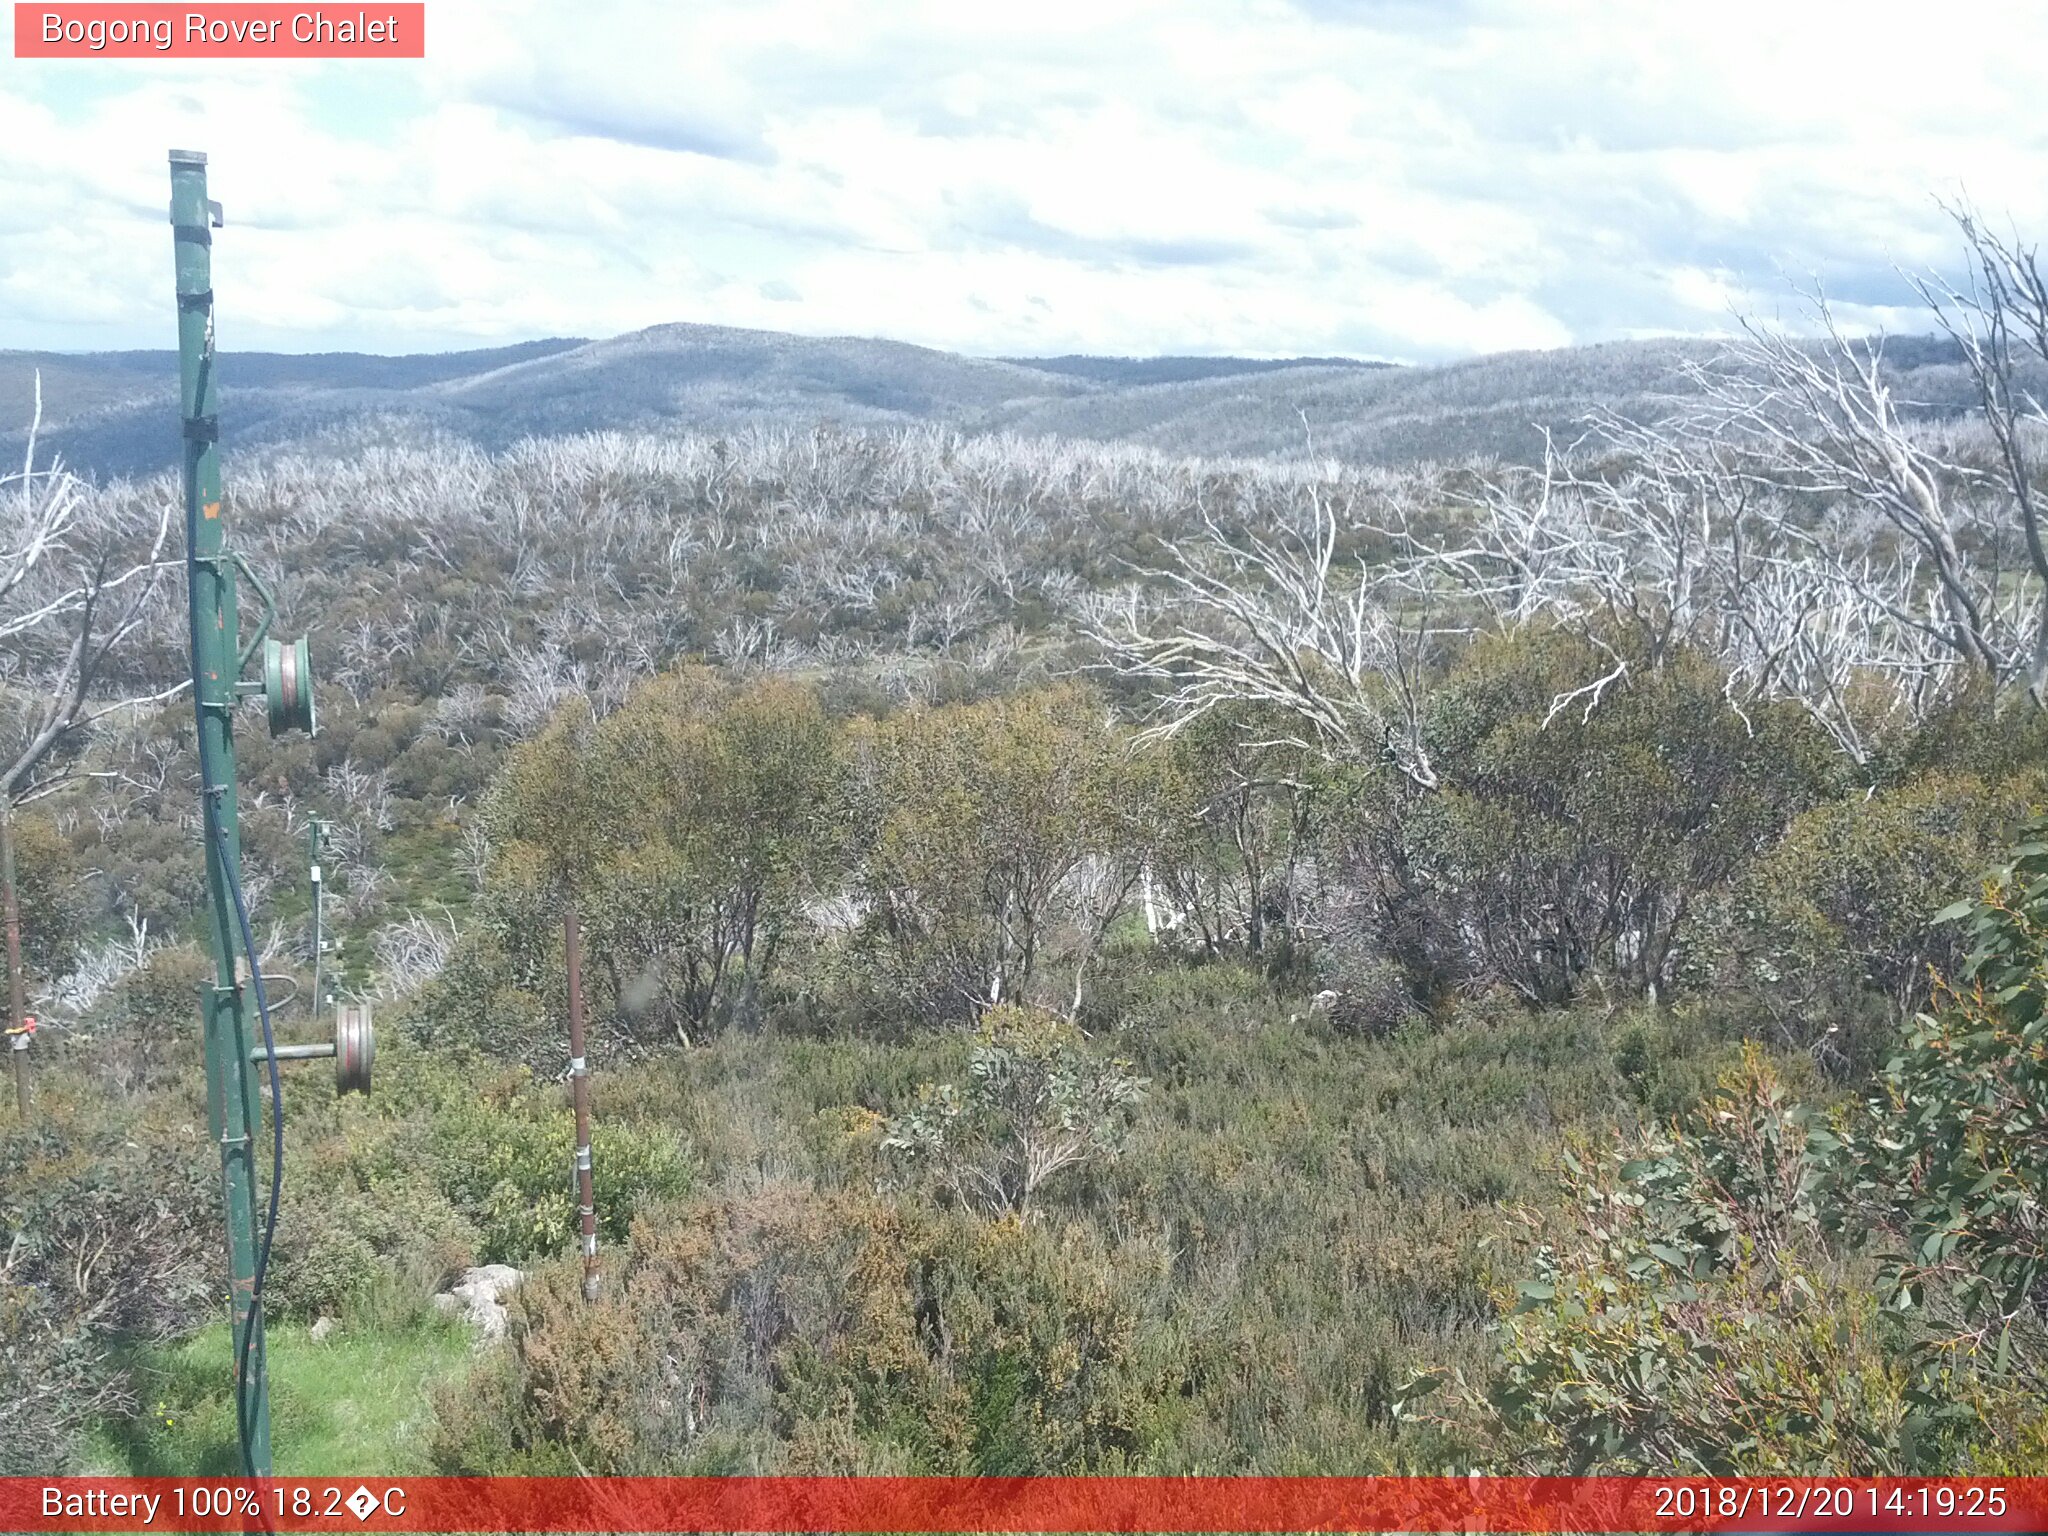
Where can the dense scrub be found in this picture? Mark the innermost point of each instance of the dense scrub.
(1233, 1183)
(1292, 1227)
(990, 1080)
(1777, 1288)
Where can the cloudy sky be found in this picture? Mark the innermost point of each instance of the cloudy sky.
(1408, 179)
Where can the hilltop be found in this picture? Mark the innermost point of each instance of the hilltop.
(114, 413)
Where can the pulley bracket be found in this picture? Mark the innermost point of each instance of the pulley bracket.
(354, 1049)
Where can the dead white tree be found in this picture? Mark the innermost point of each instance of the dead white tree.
(99, 969)
(76, 582)
(1947, 553)
(79, 576)
(1787, 512)
(2000, 323)
(364, 791)
(413, 951)
(1276, 619)
(1641, 538)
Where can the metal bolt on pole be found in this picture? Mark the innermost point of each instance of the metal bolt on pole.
(579, 1078)
(231, 1097)
(313, 841)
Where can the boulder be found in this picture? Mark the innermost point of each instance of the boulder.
(477, 1297)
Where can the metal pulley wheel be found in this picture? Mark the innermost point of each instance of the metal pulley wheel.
(288, 685)
(355, 1047)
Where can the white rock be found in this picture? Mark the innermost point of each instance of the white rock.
(477, 1296)
(322, 1327)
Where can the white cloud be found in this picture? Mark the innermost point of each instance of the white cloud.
(1377, 176)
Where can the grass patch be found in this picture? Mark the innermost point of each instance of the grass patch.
(354, 1403)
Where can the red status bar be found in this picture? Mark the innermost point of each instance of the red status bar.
(1026, 1504)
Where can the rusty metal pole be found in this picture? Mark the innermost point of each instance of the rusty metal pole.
(579, 1079)
(17, 1006)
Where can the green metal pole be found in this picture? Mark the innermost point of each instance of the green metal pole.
(10, 906)
(230, 1084)
(319, 1006)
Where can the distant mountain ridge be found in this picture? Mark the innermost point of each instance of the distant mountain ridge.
(114, 413)
(1173, 369)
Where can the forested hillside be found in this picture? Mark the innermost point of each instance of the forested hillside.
(113, 414)
(1099, 958)
(105, 412)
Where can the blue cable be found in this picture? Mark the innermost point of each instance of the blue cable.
(210, 796)
(234, 883)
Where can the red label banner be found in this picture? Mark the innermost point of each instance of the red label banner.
(235, 31)
(1026, 1504)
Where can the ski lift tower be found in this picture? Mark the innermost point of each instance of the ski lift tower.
(241, 1045)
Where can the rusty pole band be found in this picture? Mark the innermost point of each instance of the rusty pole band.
(579, 1079)
(17, 1007)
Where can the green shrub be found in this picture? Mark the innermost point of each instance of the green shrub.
(866, 1335)
(1950, 1160)
(111, 1210)
(1672, 1059)
(1771, 1293)
(690, 825)
(1691, 1320)
(1150, 990)
(460, 1160)
(1841, 909)
(504, 1158)
(53, 897)
(1969, 734)
(999, 842)
(1036, 1103)
(1567, 841)
(338, 1242)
